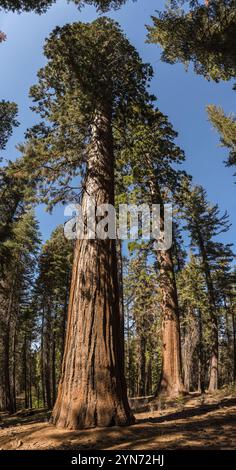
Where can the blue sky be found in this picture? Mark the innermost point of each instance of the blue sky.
(182, 96)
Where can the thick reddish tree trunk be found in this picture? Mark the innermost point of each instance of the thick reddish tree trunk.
(92, 390)
(171, 383)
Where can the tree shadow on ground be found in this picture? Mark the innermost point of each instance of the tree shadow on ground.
(191, 412)
(209, 426)
(24, 417)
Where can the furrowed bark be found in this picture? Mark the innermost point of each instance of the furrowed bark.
(92, 390)
(171, 382)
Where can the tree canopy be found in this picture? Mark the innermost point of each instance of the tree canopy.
(226, 126)
(201, 34)
(41, 6)
(84, 71)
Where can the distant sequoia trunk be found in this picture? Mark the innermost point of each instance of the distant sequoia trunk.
(92, 390)
(171, 382)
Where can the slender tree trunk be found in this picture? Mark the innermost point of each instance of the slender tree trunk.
(63, 324)
(14, 369)
(130, 359)
(141, 364)
(9, 404)
(201, 369)
(54, 385)
(214, 361)
(121, 294)
(25, 356)
(7, 349)
(38, 395)
(2, 396)
(48, 364)
(2, 378)
(30, 381)
(42, 359)
(228, 362)
(149, 377)
(92, 390)
(171, 383)
(234, 344)
(190, 343)
(187, 361)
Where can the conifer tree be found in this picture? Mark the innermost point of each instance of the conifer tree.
(233, 319)
(8, 120)
(141, 292)
(51, 302)
(40, 6)
(15, 285)
(204, 35)
(92, 76)
(15, 194)
(226, 126)
(204, 222)
(193, 307)
(149, 152)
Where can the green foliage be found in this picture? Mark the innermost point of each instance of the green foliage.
(89, 66)
(205, 223)
(101, 5)
(203, 35)
(226, 126)
(203, 219)
(142, 323)
(51, 295)
(8, 114)
(16, 196)
(55, 265)
(191, 286)
(41, 6)
(17, 318)
(148, 156)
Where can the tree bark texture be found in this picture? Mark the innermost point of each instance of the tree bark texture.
(92, 390)
(171, 383)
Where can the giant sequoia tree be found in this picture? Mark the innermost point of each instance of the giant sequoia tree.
(92, 77)
(150, 155)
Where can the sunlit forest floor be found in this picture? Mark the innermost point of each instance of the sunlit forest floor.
(192, 422)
